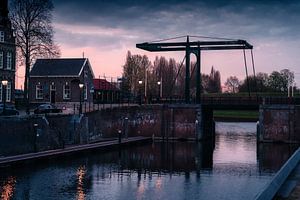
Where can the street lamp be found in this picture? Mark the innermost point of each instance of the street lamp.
(140, 91)
(81, 85)
(4, 84)
(158, 96)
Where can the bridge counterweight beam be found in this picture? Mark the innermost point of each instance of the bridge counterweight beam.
(187, 72)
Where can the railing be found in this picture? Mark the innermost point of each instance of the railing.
(225, 101)
(233, 100)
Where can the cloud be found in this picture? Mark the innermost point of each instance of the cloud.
(163, 18)
(272, 26)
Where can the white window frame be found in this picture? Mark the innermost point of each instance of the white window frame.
(39, 93)
(9, 60)
(8, 92)
(52, 87)
(2, 36)
(1, 92)
(1, 60)
(67, 91)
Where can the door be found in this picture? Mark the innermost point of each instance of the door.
(52, 97)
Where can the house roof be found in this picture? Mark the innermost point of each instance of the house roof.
(58, 67)
(102, 84)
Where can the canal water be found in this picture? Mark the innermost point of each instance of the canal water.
(234, 167)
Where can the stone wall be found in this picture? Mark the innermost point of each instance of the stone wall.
(279, 123)
(18, 135)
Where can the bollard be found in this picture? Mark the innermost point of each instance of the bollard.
(119, 136)
(35, 126)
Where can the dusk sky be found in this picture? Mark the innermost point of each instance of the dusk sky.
(105, 30)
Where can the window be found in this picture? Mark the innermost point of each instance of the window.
(9, 60)
(85, 93)
(1, 59)
(1, 36)
(8, 92)
(39, 91)
(52, 87)
(67, 91)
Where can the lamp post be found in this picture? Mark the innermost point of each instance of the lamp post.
(158, 95)
(140, 92)
(4, 85)
(81, 85)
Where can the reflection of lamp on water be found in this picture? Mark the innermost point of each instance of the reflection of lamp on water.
(80, 174)
(158, 183)
(7, 190)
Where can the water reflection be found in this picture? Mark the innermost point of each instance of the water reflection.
(232, 168)
(80, 191)
(7, 189)
(169, 157)
(272, 156)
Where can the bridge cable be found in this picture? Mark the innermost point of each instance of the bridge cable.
(179, 69)
(254, 74)
(193, 36)
(245, 61)
(166, 39)
(215, 38)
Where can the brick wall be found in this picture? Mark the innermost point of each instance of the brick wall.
(279, 123)
(17, 135)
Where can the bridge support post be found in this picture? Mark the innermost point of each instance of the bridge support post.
(187, 72)
(198, 77)
(204, 123)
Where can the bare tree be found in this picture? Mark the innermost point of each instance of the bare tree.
(31, 21)
(134, 70)
(232, 84)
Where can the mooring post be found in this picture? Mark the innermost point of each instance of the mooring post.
(35, 127)
(125, 128)
(119, 136)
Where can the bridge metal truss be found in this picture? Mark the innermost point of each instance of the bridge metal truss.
(195, 47)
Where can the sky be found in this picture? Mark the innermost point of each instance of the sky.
(105, 30)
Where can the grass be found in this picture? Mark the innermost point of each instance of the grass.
(236, 114)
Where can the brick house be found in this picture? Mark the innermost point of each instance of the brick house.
(106, 92)
(7, 53)
(57, 80)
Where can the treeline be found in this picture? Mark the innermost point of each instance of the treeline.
(168, 76)
(163, 74)
(275, 82)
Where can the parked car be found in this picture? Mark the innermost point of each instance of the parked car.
(47, 108)
(9, 110)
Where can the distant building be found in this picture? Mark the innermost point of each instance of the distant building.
(57, 80)
(7, 53)
(106, 92)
